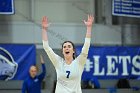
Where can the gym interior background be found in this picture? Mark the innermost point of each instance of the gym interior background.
(66, 17)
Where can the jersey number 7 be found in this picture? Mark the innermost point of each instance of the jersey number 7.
(68, 74)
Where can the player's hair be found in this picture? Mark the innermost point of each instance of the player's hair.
(74, 54)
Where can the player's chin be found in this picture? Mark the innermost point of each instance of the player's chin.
(68, 55)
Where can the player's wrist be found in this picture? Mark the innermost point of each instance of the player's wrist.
(44, 28)
(89, 28)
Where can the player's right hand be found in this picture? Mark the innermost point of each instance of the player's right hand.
(45, 23)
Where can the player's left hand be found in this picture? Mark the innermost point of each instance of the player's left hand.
(89, 21)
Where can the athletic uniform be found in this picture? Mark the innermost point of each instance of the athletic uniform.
(33, 85)
(68, 76)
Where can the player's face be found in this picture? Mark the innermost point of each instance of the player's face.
(68, 50)
(33, 71)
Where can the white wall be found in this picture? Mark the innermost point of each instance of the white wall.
(66, 17)
(31, 33)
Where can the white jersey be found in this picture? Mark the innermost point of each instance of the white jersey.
(68, 76)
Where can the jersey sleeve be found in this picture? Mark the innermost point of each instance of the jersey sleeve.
(42, 75)
(84, 53)
(52, 56)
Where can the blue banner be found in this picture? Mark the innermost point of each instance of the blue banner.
(112, 62)
(6, 7)
(130, 8)
(15, 61)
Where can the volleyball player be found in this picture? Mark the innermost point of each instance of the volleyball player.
(69, 69)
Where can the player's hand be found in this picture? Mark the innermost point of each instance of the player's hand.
(89, 21)
(41, 59)
(45, 23)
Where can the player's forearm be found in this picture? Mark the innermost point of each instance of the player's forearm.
(46, 45)
(88, 33)
(87, 40)
(86, 45)
(44, 34)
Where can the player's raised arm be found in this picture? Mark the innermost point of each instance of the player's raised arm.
(86, 45)
(88, 24)
(53, 57)
(45, 25)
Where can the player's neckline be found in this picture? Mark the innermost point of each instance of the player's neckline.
(68, 64)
